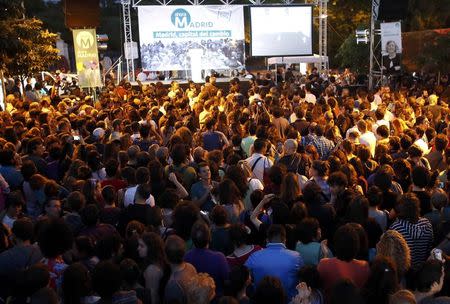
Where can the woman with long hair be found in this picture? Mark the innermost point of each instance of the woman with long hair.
(393, 245)
(230, 196)
(156, 272)
(290, 191)
(311, 151)
(382, 282)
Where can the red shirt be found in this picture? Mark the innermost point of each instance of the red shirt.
(116, 183)
(234, 260)
(332, 270)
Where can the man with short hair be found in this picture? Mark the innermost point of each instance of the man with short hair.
(281, 124)
(212, 139)
(76, 201)
(417, 231)
(258, 162)
(310, 97)
(367, 138)
(35, 150)
(111, 169)
(323, 145)
(23, 254)
(181, 272)
(52, 208)
(294, 162)
(205, 260)
(201, 190)
(276, 261)
(436, 157)
(8, 169)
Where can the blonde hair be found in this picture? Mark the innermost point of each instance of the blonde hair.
(393, 245)
(200, 289)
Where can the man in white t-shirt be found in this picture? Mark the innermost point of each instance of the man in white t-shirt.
(258, 162)
(310, 98)
(379, 115)
(367, 138)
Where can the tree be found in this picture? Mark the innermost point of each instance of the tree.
(354, 56)
(25, 46)
(344, 17)
(433, 55)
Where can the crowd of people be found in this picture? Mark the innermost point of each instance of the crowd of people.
(217, 54)
(307, 191)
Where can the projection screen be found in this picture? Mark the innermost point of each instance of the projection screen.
(281, 30)
(168, 33)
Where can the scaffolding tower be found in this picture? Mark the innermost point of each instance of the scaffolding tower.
(375, 70)
(128, 34)
(323, 34)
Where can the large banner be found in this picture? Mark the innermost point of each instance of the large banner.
(86, 57)
(167, 33)
(391, 50)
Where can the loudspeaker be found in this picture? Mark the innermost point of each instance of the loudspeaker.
(82, 13)
(393, 10)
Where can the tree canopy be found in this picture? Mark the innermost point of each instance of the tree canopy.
(25, 46)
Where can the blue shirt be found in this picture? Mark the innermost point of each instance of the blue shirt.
(12, 176)
(212, 141)
(279, 262)
(213, 263)
(197, 191)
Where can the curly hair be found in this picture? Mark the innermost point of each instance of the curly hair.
(200, 289)
(393, 245)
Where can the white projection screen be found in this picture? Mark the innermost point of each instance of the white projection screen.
(168, 33)
(281, 30)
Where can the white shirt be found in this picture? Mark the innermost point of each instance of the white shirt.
(352, 130)
(310, 98)
(422, 146)
(129, 195)
(368, 139)
(380, 122)
(263, 163)
(292, 118)
(141, 76)
(388, 116)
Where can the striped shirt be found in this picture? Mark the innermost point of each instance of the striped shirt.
(419, 237)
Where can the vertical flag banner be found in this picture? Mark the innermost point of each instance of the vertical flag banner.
(167, 34)
(86, 57)
(391, 50)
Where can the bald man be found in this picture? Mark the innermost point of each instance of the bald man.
(294, 162)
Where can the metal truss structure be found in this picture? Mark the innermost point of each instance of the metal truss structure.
(128, 34)
(323, 34)
(321, 4)
(375, 70)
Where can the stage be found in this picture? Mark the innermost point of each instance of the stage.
(222, 83)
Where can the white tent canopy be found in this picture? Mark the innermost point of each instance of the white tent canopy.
(297, 59)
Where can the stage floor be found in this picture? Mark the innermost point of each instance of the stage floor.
(186, 81)
(221, 83)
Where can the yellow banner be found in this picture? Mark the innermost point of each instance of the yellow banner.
(86, 57)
